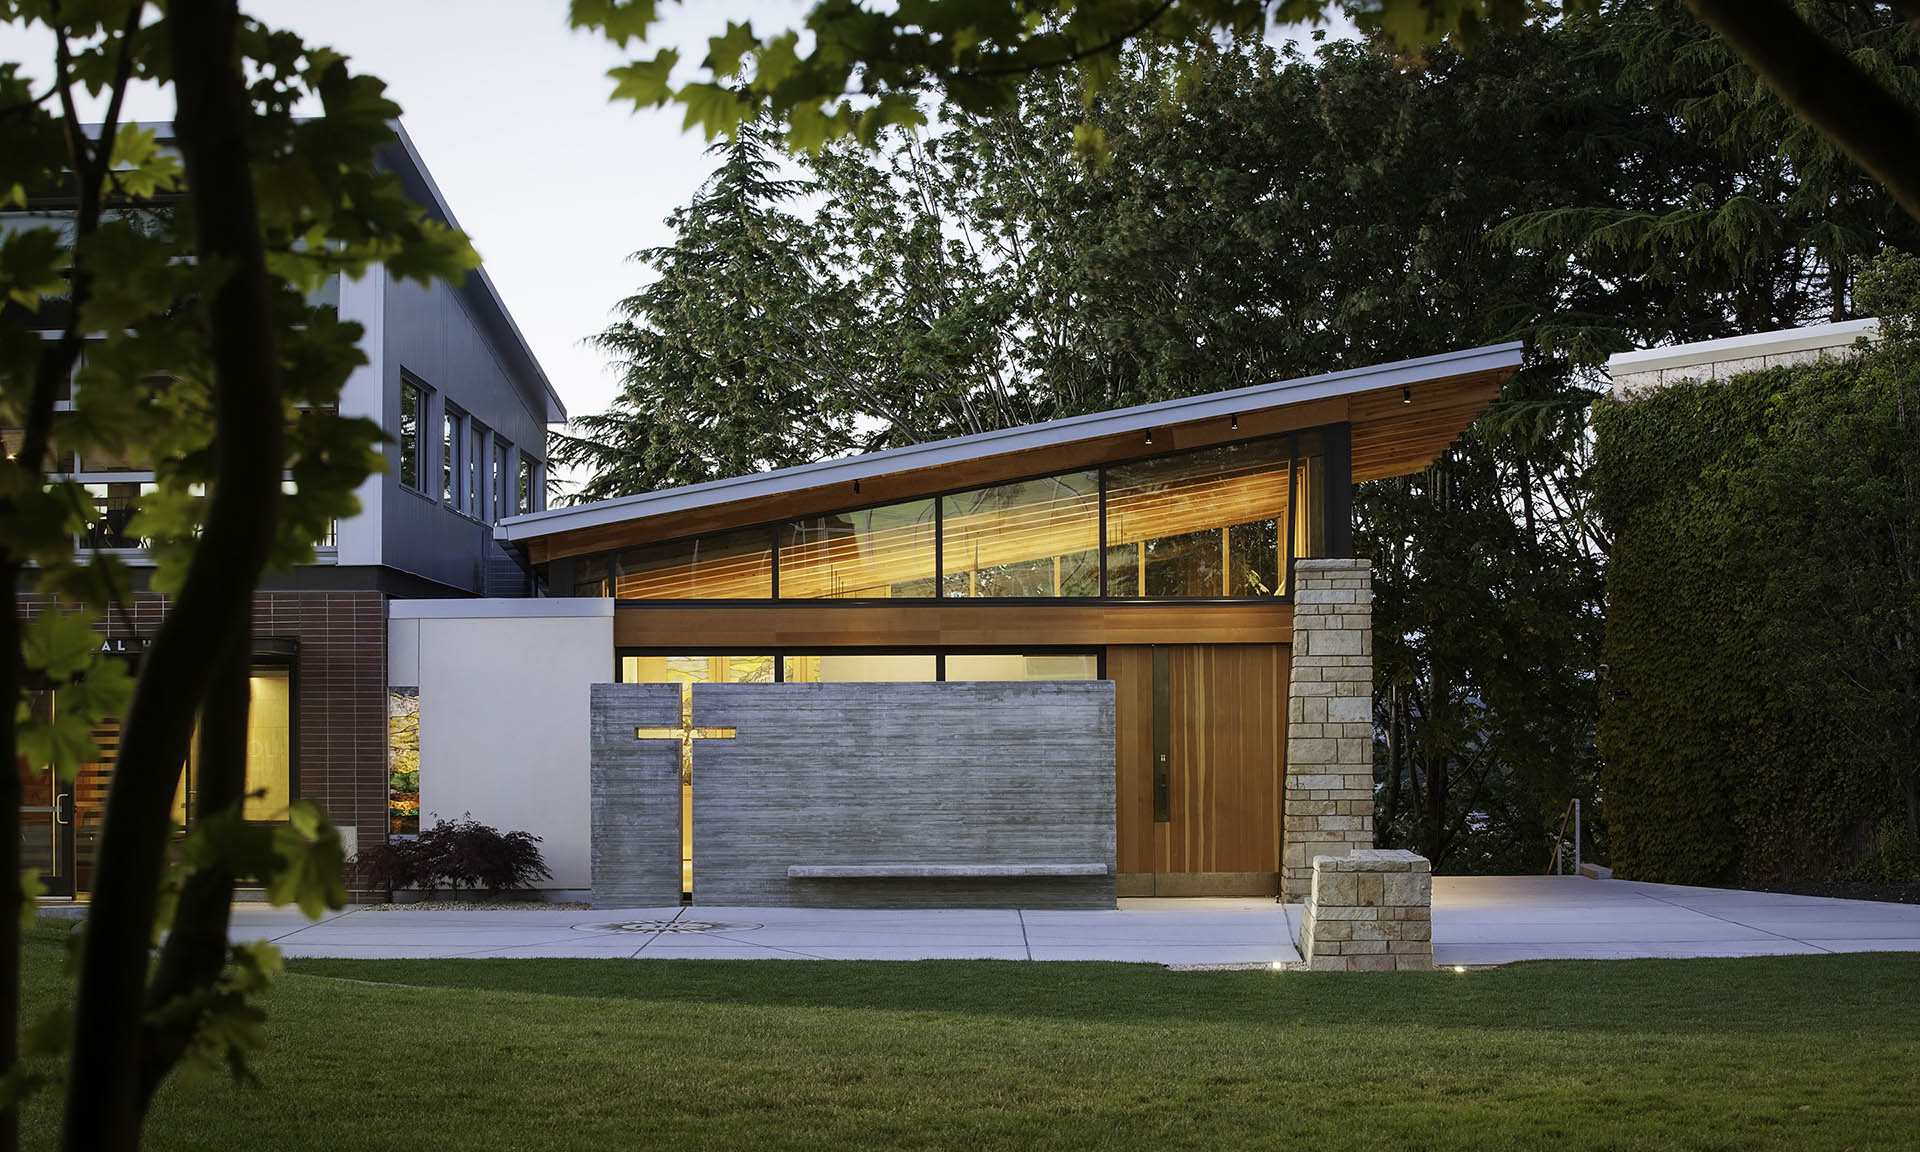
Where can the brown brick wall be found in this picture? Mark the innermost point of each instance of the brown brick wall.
(340, 690)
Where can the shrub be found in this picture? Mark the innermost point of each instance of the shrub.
(458, 854)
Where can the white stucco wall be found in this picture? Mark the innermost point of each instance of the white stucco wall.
(504, 713)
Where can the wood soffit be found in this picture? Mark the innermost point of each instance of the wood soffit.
(1390, 437)
(680, 626)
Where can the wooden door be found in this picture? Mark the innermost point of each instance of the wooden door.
(1219, 717)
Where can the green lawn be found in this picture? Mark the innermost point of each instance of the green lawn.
(1791, 1053)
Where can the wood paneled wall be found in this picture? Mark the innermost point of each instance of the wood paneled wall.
(943, 623)
(1227, 739)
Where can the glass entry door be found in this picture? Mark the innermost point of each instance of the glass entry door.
(46, 829)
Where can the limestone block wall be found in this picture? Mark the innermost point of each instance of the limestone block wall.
(1328, 802)
(1369, 911)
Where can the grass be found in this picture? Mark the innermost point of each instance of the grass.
(1789, 1053)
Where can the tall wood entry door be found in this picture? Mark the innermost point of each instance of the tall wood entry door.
(1217, 714)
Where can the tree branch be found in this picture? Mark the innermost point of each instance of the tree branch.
(1823, 85)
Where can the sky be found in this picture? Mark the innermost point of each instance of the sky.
(556, 185)
(509, 108)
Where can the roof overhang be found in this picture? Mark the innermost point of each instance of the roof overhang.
(1401, 416)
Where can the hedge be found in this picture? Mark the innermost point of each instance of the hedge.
(1752, 719)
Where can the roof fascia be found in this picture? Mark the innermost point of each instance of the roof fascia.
(1073, 429)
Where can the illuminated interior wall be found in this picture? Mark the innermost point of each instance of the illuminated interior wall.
(1218, 522)
(269, 787)
(855, 668)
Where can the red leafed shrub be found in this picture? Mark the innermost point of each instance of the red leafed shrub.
(458, 854)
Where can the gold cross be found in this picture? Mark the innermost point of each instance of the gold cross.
(686, 733)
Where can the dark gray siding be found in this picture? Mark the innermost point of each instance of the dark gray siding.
(431, 334)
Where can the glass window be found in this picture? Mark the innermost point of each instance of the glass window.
(1309, 502)
(114, 507)
(878, 552)
(129, 459)
(736, 566)
(590, 577)
(1205, 523)
(1034, 538)
(269, 745)
(269, 786)
(451, 440)
(502, 455)
(403, 761)
(413, 406)
(523, 497)
(1019, 666)
(476, 459)
(855, 668)
(734, 668)
(12, 440)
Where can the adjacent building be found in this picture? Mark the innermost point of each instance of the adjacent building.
(467, 407)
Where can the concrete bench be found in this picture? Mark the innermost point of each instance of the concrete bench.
(939, 871)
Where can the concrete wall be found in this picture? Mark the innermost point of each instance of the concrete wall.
(963, 776)
(504, 710)
(635, 820)
(1634, 374)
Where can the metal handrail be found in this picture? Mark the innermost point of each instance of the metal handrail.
(1572, 814)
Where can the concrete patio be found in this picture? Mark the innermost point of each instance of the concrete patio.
(1476, 921)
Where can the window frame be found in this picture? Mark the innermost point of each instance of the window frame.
(414, 454)
(1331, 442)
(454, 423)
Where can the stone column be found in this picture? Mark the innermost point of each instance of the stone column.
(1371, 911)
(1328, 804)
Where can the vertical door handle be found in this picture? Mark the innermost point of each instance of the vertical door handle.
(63, 808)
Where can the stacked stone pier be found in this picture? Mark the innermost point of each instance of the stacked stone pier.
(1329, 788)
(1369, 911)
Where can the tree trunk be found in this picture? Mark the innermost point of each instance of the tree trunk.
(213, 613)
(196, 948)
(1382, 829)
(10, 686)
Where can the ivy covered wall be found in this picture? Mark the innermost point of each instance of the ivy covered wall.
(1760, 713)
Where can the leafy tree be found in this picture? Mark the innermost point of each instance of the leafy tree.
(172, 291)
(1732, 215)
(725, 355)
(863, 63)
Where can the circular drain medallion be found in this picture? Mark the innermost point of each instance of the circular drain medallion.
(675, 926)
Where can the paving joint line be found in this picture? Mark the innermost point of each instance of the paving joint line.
(1737, 924)
(344, 912)
(757, 944)
(1024, 941)
(679, 912)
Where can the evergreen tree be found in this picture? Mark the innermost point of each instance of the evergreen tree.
(728, 356)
